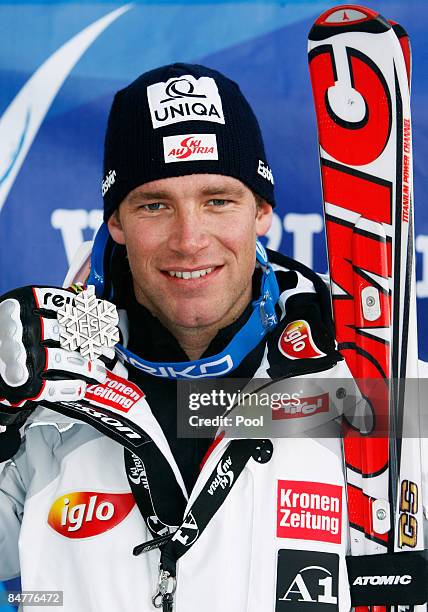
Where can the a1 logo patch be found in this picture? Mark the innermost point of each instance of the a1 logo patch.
(309, 511)
(307, 581)
(296, 341)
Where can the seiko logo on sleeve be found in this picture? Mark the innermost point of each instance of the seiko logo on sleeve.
(184, 99)
(296, 342)
(307, 581)
(309, 511)
(218, 367)
(191, 147)
(116, 393)
(85, 514)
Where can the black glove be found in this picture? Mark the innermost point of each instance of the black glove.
(33, 366)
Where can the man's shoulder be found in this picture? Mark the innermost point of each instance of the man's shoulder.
(299, 285)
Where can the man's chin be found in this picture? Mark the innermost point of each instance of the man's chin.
(195, 318)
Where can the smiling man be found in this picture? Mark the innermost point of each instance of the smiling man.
(187, 191)
(191, 248)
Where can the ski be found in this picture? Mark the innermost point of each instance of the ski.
(360, 72)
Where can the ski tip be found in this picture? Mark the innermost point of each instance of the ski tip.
(346, 14)
(349, 18)
(404, 41)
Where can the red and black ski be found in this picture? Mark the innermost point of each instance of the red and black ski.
(360, 73)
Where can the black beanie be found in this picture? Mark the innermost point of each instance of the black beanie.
(177, 120)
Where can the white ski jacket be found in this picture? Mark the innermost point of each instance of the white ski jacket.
(69, 521)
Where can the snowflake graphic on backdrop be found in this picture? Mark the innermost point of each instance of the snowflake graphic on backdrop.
(89, 324)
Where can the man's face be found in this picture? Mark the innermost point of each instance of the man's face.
(191, 247)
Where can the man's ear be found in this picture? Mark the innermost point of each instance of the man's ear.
(115, 228)
(264, 217)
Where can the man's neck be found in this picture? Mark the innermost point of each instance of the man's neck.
(195, 340)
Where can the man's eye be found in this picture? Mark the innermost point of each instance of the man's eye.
(217, 202)
(153, 207)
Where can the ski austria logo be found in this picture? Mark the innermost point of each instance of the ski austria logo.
(309, 511)
(224, 477)
(304, 407)
(84, 514)
(184, 99)
(192, 147)
(137, 472)
(296, 342)
(116, 392)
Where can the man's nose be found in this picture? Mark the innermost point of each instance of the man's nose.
(188, 235)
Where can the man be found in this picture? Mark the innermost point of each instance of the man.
(187, 190)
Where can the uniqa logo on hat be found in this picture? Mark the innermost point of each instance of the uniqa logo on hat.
(184, 99)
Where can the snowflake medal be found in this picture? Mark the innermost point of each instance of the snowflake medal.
(89, 325)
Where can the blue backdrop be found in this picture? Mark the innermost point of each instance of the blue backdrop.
(61, 62)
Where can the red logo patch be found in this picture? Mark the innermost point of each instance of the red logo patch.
(306, 406)
(296, 342)
(84, 514)
(117, 393)
(192, 147)
(309, 511)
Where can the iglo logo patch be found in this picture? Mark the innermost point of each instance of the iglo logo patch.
(84, 514)
(296, 341)
(193, 147)
(309, 511)
(184, 99)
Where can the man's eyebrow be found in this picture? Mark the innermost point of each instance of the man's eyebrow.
(221, 190)
(138, 196)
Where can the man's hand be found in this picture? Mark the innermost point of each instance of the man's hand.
(33, 366)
